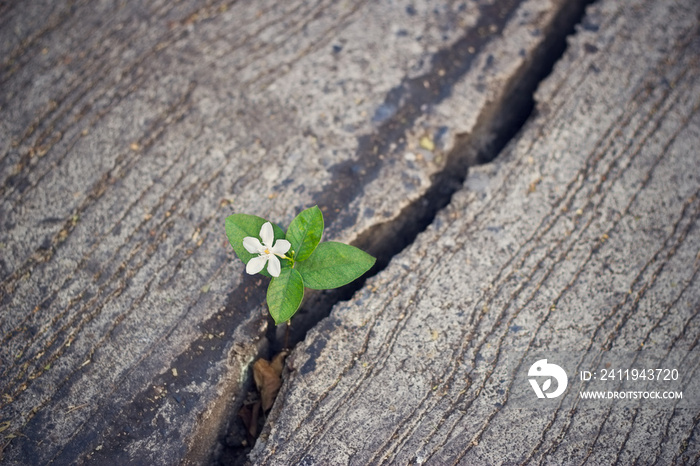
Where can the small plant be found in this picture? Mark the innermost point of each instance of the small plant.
(294, 260)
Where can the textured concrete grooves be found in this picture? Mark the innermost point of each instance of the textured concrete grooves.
(128, 131)
(580, 243)
(496, 125)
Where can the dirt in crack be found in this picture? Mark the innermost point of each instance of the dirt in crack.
(496, 126)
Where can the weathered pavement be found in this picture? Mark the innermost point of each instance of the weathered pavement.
(128, 133)
(579, 244)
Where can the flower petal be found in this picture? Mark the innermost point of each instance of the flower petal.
(273, 266)
(281, 247)
(252, 245)
(267, 234)
(256, 264)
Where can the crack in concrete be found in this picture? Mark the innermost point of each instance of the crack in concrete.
(495, 128)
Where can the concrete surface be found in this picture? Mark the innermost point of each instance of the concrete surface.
(580, 244)
(129, 131)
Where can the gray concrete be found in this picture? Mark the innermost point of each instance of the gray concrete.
(128, 131)
(579, 244)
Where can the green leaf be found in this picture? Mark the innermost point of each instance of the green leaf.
(334, 264)
(304, 233)
(284, 295)
(238, 226)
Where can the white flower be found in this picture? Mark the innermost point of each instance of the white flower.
(267, 251)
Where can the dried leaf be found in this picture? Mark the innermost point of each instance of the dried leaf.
(427, 143)
(268, 378)
(4, 426)
(277, 363)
